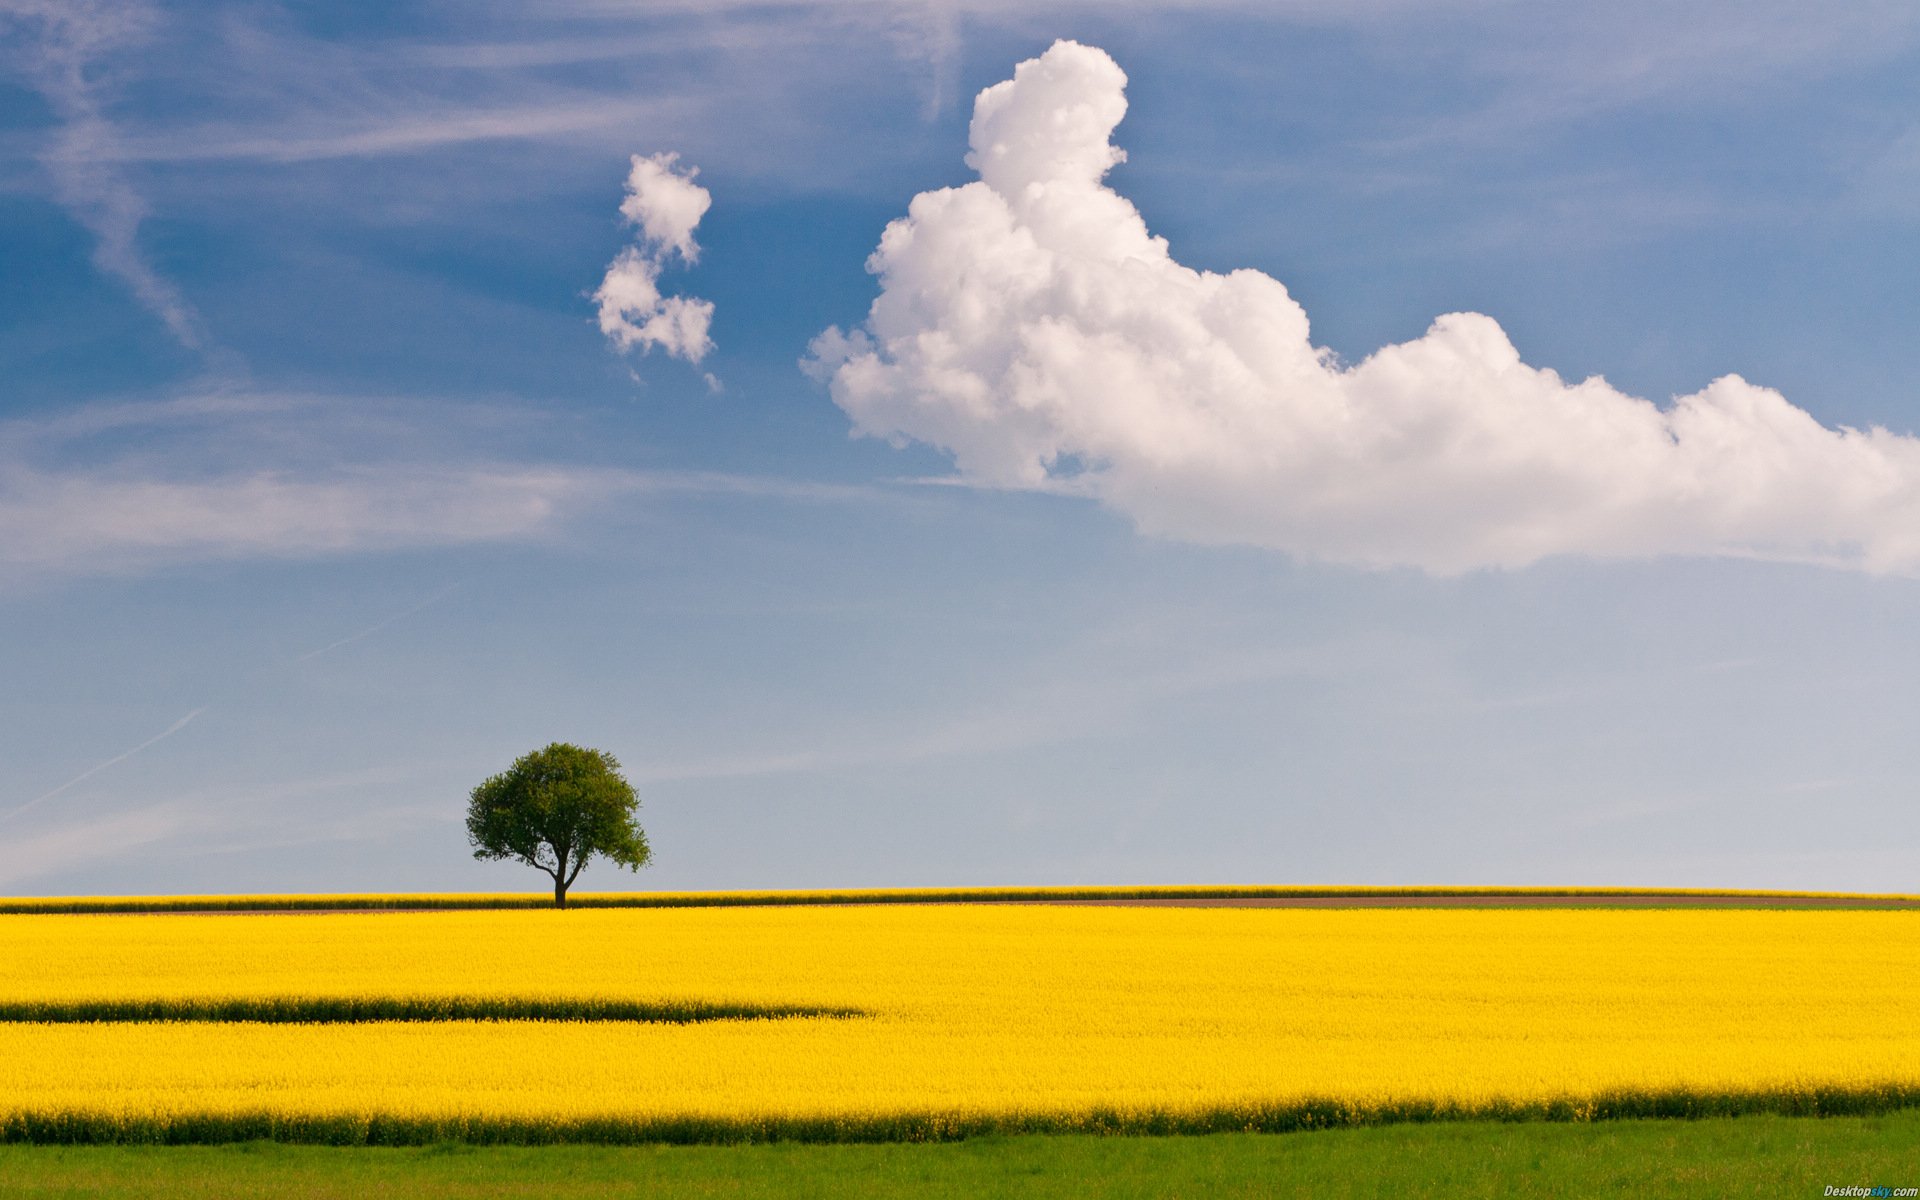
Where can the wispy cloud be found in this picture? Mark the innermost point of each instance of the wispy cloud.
(121, 488)
(271, 813)
(360, 805)
(1557, 66)
(90, 772)
(1888, 183)
(1084, 690)
(81, 842)
(62, 48)
(107, 521)
(267, 91)
(360, 137)
(377, 626)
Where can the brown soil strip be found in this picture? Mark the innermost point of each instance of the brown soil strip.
(279, 912)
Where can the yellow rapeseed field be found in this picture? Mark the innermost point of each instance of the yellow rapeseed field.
(970, 1017)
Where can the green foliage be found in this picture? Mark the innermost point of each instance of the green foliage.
(555, 809)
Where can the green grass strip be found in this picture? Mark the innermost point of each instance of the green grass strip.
(1749, 1156)
(1655, 1160)
(334, 1010)
(27, 1124)
(406, 901)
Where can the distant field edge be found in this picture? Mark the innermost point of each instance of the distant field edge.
(75, 1127)
(1306, 896)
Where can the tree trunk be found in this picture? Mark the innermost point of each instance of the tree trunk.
(560, 880)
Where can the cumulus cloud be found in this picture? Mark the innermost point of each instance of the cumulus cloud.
(1029, 324)
(665, 205)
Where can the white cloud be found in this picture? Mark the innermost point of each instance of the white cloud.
(665, 205)
(634, 313)
(1029, 324)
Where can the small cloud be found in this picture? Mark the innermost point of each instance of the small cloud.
(665, 205)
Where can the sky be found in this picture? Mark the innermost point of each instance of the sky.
(973, 443)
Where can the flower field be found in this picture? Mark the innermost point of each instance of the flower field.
(929, 1020)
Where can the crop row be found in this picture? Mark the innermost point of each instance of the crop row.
(75, 1127)
(347, 1010)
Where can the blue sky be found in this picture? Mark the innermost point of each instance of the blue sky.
(323, 495)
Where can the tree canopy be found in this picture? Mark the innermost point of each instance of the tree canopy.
(555, 809)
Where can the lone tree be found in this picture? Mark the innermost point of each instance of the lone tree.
(555, 809)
